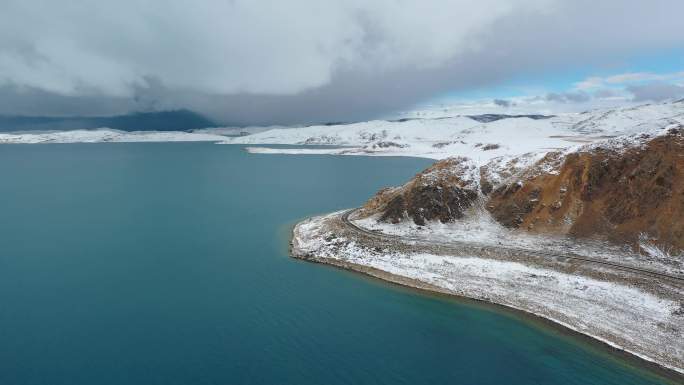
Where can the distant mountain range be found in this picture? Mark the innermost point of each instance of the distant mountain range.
(479, 137)
(175, 120)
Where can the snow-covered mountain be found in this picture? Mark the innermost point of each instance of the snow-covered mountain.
(470, 136)
(478, 137)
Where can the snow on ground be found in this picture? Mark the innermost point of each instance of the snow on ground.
(435, 139)
(476, 137)
(478, 227)
(295, 151)
(616, 313)
(622, 143)
(439, 138)
(627, 120)
(108, 135)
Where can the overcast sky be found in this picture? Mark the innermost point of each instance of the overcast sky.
(299, 61)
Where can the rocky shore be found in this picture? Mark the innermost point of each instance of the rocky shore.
(640, 314)
(590, 237)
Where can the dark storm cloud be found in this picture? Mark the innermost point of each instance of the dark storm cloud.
(32, 101)
(262, 62)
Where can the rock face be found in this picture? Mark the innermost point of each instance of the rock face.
(620, 190)
(624, 190)
(442, 192)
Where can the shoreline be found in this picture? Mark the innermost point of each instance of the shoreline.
(659, 367)
(557, 326)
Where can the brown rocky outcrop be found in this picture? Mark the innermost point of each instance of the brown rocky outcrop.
(618, 190)
(442, 192)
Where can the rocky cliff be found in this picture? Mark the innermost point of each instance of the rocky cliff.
(624, 190)
(442, 192)
(621, 189)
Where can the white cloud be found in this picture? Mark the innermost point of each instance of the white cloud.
(590, 83)
(634, 77)
(656, 91)
(224, 47)
(595, 82)
(268, 61)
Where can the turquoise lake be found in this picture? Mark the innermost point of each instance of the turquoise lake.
(167, 263)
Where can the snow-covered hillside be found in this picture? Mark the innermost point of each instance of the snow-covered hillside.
(478, 137)
(107, 135)
(627, 120)
(467, 136)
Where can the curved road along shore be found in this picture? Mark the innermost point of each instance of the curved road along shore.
(494, 249)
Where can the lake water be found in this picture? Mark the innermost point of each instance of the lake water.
(166, 263)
